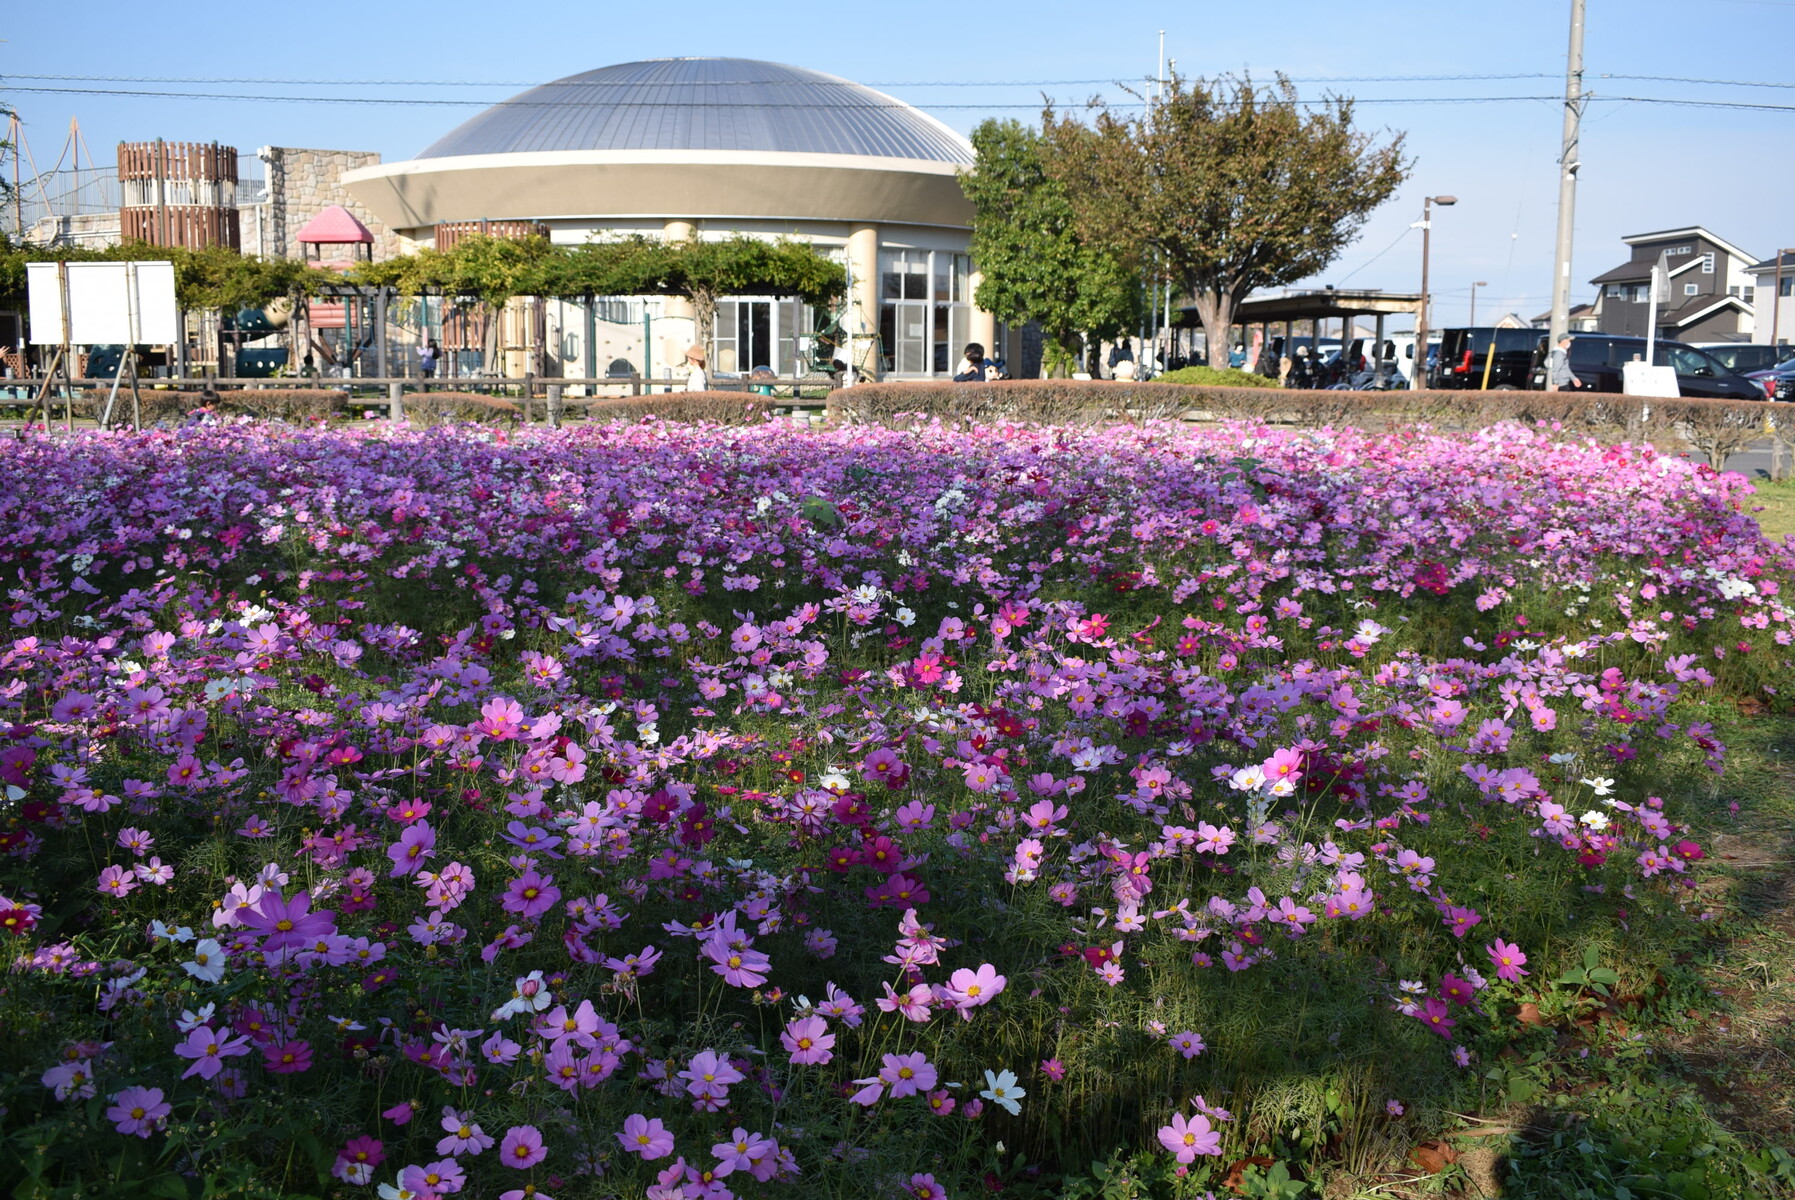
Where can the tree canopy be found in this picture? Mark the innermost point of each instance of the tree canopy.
(1225, 185)
(216, 277)
(701, 271)
(1033, 263)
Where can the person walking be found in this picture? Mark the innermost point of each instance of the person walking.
(1558, 367)
(427, 354)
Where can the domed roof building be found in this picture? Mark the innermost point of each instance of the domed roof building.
(712, 147)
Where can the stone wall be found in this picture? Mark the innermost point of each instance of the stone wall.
(303, 183)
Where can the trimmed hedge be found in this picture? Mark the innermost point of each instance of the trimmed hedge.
(437, 408)
(717, 408)
(156, 404)
(1713, 428)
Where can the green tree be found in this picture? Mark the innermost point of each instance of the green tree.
(1033, 263)
(702, 272)
(1226, 185)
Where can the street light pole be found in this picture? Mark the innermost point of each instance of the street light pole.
(1474, 286)
(1427, 203)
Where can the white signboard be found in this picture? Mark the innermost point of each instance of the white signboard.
(108, 303)
(1644, 379)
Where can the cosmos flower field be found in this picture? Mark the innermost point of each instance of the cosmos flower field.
(680, 811)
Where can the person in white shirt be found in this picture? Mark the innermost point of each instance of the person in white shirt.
(695, 377)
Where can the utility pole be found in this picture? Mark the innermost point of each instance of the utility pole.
(1568, 163)
(1776, 303)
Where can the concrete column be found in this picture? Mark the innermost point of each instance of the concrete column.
(862, 318)
(982, 326)
(679, 306)
(554, 406)
(395, 401)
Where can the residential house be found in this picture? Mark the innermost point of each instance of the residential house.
(1711, 288)
(1582, 319)
(1776, 283)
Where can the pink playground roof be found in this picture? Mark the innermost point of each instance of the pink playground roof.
(336, 225)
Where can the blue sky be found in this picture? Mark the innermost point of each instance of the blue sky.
(1646, 166)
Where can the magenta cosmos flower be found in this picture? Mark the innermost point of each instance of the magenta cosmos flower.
(809, 1041)
(138, 1110)
(415, 845)
(522, 1147)
(531, 895)
(646, 1136)
(1508, 960)
(287, 922)
(1188, 1139)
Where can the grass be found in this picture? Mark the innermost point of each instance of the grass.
(1680, 1083)
(1778, 499)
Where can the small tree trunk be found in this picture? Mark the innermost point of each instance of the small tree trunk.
(1215, 308)
(704, 316)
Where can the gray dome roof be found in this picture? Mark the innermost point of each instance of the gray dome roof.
(705, 104)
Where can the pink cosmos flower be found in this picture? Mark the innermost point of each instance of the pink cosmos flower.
(1053, 1068)
(907, 1074)
(438, 1178)
(1187, 1139)
(1508, 960)
(117, 881)
(739, 967)
(924, 1187)
(522, 1147)
(208, 1048)
(741, 1152)
(286, 922)
(970, 989)
(70, 1079)
(416, 844)
(1188, 1044)
(646, 1136)
(709, 1072)
(809, 1041)
(531, 894)
(138, 1111)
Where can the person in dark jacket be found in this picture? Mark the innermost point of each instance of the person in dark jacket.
(975, 369)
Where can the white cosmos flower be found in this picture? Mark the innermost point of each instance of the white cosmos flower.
(1000, 1088)
(191, 1020)
(1594, 820)
(904, 616)
(1601, 787)
(208, 961)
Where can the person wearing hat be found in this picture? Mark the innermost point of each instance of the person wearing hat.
(695, 378)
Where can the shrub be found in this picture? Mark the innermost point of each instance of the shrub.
(718, 408)
(436, 408)
(1217, 377)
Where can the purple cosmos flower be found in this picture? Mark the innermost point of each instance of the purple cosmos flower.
(138, 1111)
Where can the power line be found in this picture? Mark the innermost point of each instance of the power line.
(400, 102)
(403, 102)
(576, 81)
(1718, 82)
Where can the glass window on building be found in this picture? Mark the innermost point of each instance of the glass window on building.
(760, 331)
(925, 310)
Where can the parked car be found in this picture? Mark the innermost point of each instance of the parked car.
(1597, 359)
(1465, 358)
(1778, 384)
(1745, 357)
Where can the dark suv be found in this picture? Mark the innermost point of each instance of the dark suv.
(1597, 359)
(1465, 357)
